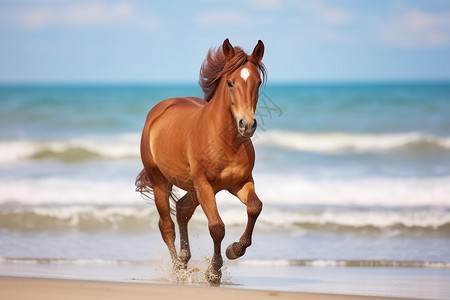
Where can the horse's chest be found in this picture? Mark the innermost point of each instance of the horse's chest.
(228, 171)
(225, 166)
(235, 172)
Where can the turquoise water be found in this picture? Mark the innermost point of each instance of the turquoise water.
(350, 174)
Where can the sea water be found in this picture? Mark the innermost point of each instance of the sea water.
(351, 175)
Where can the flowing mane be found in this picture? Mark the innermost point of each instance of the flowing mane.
(215, 66)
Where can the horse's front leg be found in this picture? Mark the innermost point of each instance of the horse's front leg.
(206, 198)
(246, 193)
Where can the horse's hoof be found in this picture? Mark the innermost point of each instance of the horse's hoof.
(183, 259)
(213, 276)
(231, 254)
(178, 265)
(182, 266)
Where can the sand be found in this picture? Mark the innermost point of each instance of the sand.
(29, 288)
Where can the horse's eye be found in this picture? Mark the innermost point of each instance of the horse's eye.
(230, 85)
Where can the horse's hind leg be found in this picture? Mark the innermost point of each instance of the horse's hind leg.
(162, 190)
(246, 193)
(185, 209)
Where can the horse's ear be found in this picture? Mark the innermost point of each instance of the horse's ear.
(228, 50)
(258, 52)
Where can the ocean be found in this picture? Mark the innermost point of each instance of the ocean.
(353, 177)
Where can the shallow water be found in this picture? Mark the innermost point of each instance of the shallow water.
(412, 283)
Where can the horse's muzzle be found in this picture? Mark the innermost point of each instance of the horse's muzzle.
(247, 129)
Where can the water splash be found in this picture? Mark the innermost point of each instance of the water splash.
(193, 275)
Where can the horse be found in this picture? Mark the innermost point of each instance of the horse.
(203, 146)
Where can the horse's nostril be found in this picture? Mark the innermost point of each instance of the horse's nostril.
(254, 125)
(241, 123)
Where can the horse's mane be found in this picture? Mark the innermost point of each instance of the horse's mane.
(215, 66)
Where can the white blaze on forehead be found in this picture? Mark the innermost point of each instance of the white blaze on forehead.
(245, 73)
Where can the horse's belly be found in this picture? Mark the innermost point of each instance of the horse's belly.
(183, 180)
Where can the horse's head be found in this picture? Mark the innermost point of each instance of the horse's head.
(242, 87)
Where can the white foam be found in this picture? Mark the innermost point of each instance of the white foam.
(137, 217)
(115, 146)
(348, 263)
(277, 189)
(343, 142)
(290, 219)
(260, 262)
(296, 189)
(63, 261)
(427, 218)
(12, 151)
(65, 191)
(127, 145)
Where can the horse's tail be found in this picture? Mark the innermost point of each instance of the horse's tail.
(144, 186)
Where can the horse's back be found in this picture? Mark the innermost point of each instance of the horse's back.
(171, 116)
(175, 105)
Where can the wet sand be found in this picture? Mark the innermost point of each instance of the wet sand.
(47, 289)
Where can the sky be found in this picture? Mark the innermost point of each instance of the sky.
(95, 41)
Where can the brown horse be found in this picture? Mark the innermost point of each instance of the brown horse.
(203, 147)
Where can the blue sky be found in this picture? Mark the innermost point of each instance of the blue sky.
(166, 41)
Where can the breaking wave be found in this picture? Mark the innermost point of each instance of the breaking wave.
(145, 218)
(350, 263)
(275, 263)
(125, 146)
(71, 150)
(274, 189)
(335, 142)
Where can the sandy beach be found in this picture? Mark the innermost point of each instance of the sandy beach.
(28, 288)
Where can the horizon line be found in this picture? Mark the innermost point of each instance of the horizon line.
(189, 83)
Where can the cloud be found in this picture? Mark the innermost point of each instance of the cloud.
(78, 15)
(324, 13)
(322, 22)
(99, 13)
(224, 18)
(267, 4)
(336, 16)
(34, 19)
(416, 28)
(399, 26)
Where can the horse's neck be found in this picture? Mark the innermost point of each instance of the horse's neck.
(222, 118)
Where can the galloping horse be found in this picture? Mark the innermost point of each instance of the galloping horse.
(203, 146)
